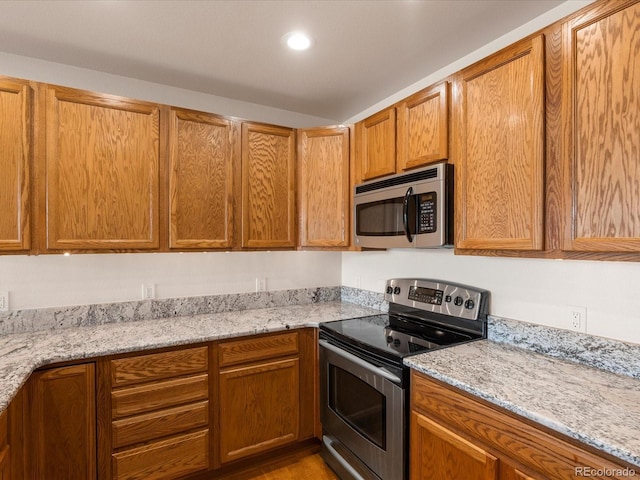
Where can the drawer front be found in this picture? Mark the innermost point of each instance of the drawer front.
(250, 349)
(165, 460)
(5, 463)
(158, 366)
(155, 396)
(142, 428)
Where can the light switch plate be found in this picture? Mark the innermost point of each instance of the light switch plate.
(4, 301)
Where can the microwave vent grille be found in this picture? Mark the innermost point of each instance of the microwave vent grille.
(398, 180)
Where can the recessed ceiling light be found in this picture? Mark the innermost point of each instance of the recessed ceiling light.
(297, 40)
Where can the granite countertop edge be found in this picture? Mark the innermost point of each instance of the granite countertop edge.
(21, 354)
(537, 397)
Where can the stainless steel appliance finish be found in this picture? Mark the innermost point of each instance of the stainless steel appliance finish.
(408, 210)
(364, 384)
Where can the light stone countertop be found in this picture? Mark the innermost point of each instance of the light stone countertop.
(21, 354)
(599, 408)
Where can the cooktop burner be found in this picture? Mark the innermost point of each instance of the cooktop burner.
(423, 315)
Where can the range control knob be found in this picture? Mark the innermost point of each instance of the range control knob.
(389, 339)
(447, 299)
(396, 343)
(389, 289)
(469, 304)
(396, 291)
(458, 301)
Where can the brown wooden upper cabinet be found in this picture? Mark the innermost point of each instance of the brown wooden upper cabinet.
(101, 172)
(203, 155)
(268, 186)
(376, 149)
(15, 159)
(411, 134)
(423, 127)
(602, 108)
(499, 150)
(323, 183)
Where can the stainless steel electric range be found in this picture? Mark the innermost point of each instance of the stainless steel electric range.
(364, 383)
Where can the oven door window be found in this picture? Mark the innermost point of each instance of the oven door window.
(384, 218)
(358, 404)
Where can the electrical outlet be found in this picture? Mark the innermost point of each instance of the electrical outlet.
(4, 301)
(261, 284)
(148, 291)
(577, 318)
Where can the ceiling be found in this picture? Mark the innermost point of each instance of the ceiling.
(364, 50)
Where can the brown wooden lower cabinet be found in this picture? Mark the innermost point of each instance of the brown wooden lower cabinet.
(266, 393)
(455, 437)
(60, 425)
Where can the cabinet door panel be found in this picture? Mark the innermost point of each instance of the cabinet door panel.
(423, 128)
(324, 187)
(260, 408)
(268, 186)
(602, 168)
(102, 172)
(377, 144)
(500, 150)
(61, 430)
(15, 153)
(438, 453)
(202, 160)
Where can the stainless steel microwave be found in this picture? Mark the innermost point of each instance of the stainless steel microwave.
(406, 210)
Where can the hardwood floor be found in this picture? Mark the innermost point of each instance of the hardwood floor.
(309, 467)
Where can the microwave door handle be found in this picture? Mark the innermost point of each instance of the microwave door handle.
(405, 214)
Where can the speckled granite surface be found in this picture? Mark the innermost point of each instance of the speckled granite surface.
(20, 354)
(610, 355)
(596, 407)
(21, 321)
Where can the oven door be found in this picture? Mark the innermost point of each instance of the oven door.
(363, 417)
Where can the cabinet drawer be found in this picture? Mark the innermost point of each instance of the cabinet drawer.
(142, 428)
(165, 460)
(157, 366)
(155, 396)
(5, 463)
(250, 349)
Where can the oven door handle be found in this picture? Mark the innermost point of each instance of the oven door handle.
(405, 214)
(360, 362)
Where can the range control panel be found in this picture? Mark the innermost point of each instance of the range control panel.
(439, 297)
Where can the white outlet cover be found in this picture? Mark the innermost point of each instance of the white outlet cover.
(4, 301)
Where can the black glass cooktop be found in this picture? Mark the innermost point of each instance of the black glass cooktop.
(393, 335)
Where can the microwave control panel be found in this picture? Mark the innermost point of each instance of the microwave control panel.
(427, 208)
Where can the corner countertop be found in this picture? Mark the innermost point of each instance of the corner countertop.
(21, 354)
(598, 408)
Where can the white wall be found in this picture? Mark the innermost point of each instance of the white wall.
(56, 280)
(66, 75)
(531, 290)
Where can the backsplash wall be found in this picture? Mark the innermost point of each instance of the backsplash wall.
(531, 290)
(56, 280)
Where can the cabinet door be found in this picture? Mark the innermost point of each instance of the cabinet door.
(423, 127)
(260, 408)
(499, 157)
(15, 154)
(602, 106)
(377, 144)
(61, 425)
(324, 187)
(101, 172)
(438, 453)
(268, 186)
(203, 153)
